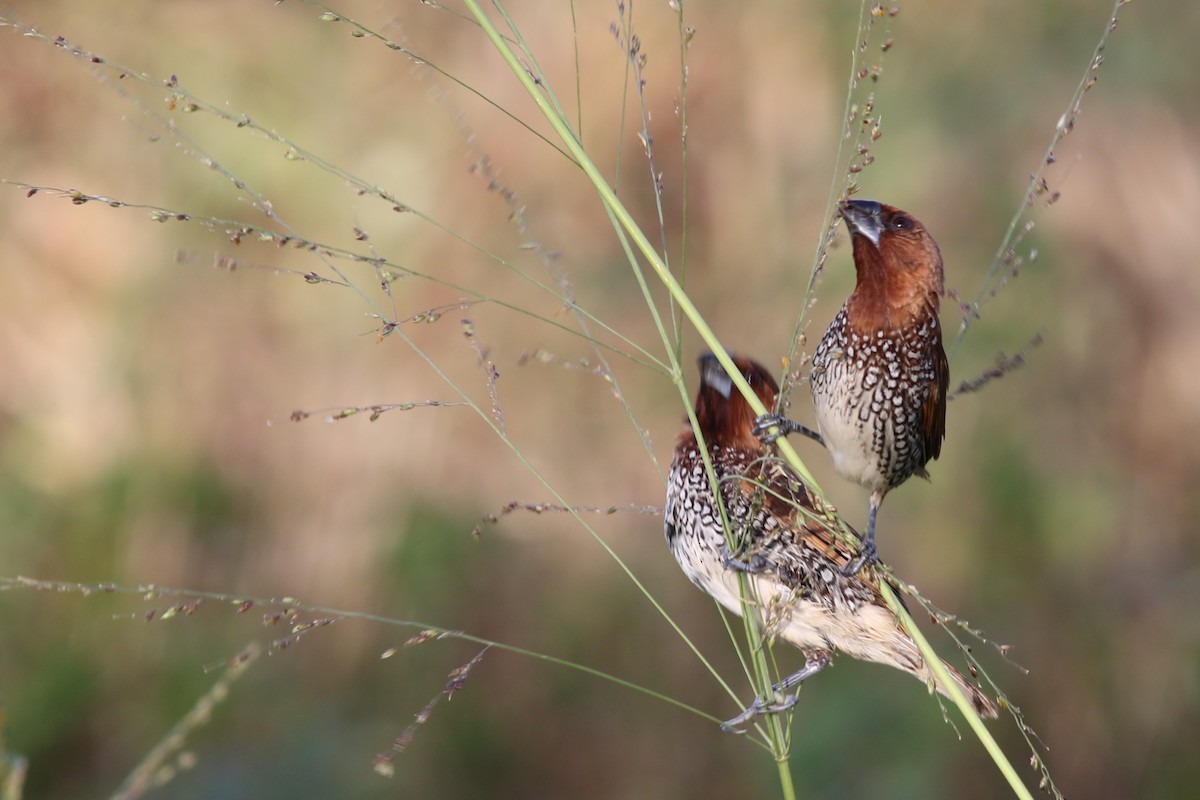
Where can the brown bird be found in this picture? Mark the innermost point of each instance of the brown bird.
(879, 376)
(793, 560)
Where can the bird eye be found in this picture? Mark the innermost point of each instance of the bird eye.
(902, 223)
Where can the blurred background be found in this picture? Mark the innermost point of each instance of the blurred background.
(146, 390)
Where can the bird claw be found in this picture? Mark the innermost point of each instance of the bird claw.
(763, 425)
(867, 556)
(782, 426)
(757, 708)
(756, 563)
(781, 700)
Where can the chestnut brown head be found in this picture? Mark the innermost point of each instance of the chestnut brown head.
(899, 265)
(724, 416)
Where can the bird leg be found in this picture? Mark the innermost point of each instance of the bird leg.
(814, 662)
(868, 554)
(743, 560)
(783, 426)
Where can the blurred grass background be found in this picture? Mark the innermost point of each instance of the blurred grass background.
(136, 388)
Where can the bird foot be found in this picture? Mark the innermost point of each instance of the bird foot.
(814, 662)
(867, 556)
(759, 707)
(769, 428)
(756, 563)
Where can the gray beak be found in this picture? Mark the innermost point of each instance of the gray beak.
(864, 217)
(714, 375)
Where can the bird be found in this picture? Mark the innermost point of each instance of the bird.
(879, 377)
(784, 544)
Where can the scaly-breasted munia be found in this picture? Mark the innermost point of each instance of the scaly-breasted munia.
(879, 377)
(793, 560)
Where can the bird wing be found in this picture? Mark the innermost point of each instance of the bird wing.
(933, 410)
(792, 535)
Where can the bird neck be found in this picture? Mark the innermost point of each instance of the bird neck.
(890, 296)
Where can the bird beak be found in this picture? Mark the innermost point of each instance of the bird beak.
(714, 375)
(864, 217)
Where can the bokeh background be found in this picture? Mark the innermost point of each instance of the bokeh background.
(145, 394)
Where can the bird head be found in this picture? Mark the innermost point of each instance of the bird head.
(724, 416)
(899, 264)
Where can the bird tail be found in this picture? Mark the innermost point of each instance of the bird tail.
(902, 652)
(871, 634)
(984, 705)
